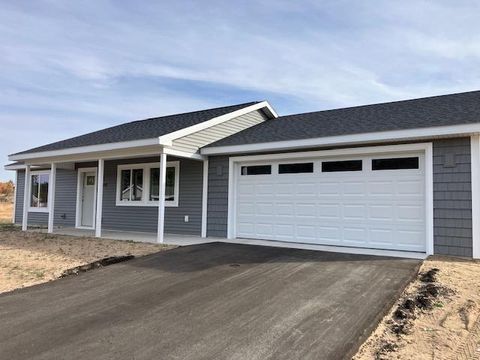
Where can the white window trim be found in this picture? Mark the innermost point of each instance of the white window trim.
(146, 184)
(38, 209)
(388, 150)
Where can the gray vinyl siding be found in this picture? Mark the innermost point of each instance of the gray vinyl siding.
(452, 197)
(193, 142)
(65, 198)
(19, 196)
(34, 218)
(145, 218)
(217, 196)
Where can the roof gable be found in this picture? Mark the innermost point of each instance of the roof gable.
(140, 129)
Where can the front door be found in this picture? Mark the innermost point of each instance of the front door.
(88, 199)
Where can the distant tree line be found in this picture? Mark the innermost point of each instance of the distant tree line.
(7, 191)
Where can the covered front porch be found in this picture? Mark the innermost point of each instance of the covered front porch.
(137, 236)
(146, 196)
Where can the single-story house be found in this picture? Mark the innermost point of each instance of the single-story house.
(400, 177)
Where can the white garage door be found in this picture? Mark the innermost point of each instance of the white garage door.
(375, 202)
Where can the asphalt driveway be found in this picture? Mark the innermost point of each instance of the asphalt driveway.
(211, 301)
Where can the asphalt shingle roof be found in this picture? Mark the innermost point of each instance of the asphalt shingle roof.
(455, 109)
(140, 129)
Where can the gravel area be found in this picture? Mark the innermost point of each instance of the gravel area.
(28, 258)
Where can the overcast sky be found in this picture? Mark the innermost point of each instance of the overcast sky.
(70, 67)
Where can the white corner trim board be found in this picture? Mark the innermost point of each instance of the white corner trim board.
(475, 151)
(317, 157)
(205, 199)
(365, 138)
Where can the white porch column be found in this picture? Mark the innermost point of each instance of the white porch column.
(161, 196)
(205, 198)
(51, 196)
(26, 198)
(98, 216)
(15, 197)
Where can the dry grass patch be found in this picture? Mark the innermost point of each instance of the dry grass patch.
(449, 328)
(28, 258)
(6, 212)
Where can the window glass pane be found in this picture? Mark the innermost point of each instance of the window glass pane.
(170, 184)
(257, 170)
(43, 190)
(90, 180)
(154, 184)
(395, 163)
(125, 185)
(137, 184)
(35, 186)
(348, 165)
(295, 168)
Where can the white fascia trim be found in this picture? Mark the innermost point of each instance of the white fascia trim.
(426, 148)
(183, 154)
(84, 149)
(15, 167)
(475, 151)
(417, 134)
(167, 139)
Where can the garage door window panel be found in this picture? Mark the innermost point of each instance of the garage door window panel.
(256, 170)
(342, 166)
(406, 163)
(297, 168)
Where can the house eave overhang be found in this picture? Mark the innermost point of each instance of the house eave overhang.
(346, 140)
(137, 147)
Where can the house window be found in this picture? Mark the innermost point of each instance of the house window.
(257, 170)
(138, 185)
(131, 185)
(337, 166)
(169, 184)
(395, 163)
(39, 191)
(295, 168)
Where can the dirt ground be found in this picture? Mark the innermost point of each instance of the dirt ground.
(447, 329)
(32, 258)
(6, 211)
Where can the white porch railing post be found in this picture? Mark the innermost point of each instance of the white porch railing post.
(98, 214)
(26, 198)
(51, 196)
(161, 196)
